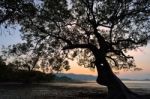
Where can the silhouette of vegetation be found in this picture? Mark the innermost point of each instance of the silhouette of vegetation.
(9, 74)
(97, 33)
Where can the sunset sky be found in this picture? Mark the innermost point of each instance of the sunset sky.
(142, 58)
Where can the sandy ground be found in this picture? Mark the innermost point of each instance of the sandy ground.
(57, 91)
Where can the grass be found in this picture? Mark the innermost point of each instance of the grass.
(50, 91)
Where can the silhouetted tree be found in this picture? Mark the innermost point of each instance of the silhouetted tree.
(15, 10)
(2, 63)
(95, 32)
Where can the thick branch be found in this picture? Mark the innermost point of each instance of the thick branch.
(86, 46)
(73, 46)
(92, 20)
(69, 43)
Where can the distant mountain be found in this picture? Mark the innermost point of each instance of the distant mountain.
(80, 77)
(127, 79)
(63, 79)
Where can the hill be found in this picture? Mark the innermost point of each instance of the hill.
(80, 77)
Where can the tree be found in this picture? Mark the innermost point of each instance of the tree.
(2, 65)
(15, 10)
(97, 33)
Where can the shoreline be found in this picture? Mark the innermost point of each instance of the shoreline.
(54, 91)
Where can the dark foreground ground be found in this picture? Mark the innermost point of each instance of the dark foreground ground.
(57, 91)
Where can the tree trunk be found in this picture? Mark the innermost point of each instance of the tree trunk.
(106, 77)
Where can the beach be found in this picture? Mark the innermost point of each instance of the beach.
(63, 90)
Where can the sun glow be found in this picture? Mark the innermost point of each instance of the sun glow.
(142, 60)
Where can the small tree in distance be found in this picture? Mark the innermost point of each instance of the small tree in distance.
(97, 33)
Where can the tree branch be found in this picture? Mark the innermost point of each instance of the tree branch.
(120, 53)
(87, 46)
(5, 17)
(131, 41)
(114, 60)
(73, 46)
(57, 37)
(92, 20)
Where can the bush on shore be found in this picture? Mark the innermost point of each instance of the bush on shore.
(23, 76)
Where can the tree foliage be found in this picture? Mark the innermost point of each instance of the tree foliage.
(15, 10)
(11, 73)
(111, 27)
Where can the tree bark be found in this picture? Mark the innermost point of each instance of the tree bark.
(106, 77)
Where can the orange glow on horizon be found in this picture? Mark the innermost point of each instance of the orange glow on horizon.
(142, 60)
(80, 69)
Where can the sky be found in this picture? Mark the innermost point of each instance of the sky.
(141, 56)
(142, 60)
